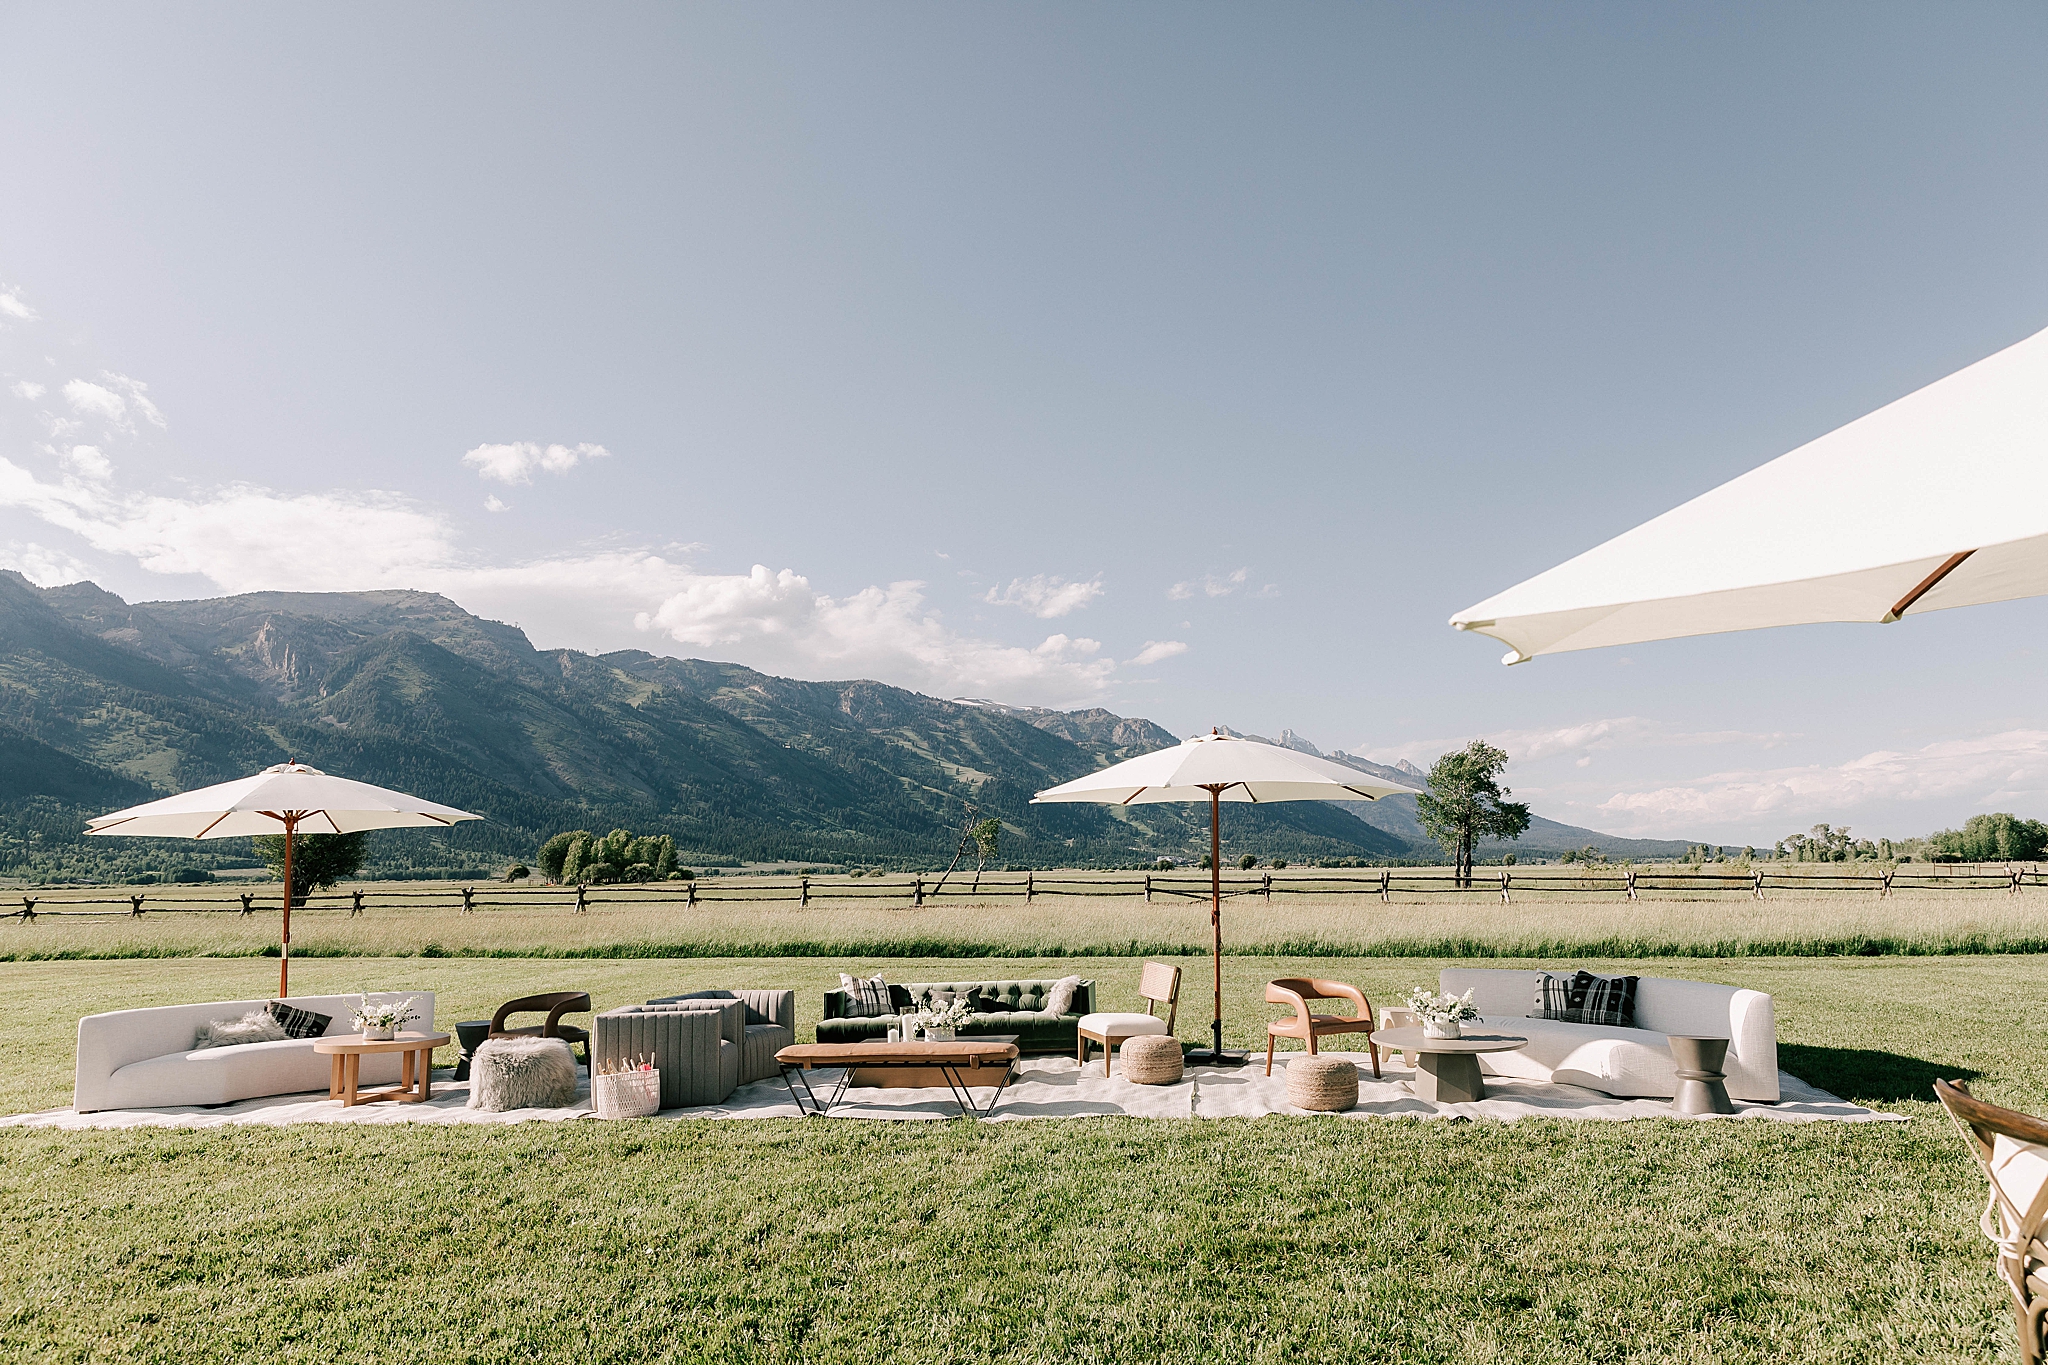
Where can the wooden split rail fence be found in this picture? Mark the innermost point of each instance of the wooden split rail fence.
(918, 890)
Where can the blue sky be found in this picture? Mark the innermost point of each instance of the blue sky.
(1196, 361)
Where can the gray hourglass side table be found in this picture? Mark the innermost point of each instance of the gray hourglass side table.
(1702, 1085)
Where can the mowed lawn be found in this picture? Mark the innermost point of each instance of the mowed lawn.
(1088, 1240)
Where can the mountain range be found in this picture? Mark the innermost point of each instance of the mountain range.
(104, 703)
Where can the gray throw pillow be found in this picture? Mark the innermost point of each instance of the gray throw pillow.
(866, 997)
(257, 1026)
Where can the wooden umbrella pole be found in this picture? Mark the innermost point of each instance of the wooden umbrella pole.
(1216, 910)
(284, 961)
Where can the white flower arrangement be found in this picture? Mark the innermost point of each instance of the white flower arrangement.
(375, 1016)
(1451, 1009)
(953, 1015)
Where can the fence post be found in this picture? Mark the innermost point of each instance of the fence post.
(2013, 878)
(917, 890)
(1504, 887)
(468, 900)
(1269, 888)
(248, 902)
(356, 903)
(1386, 886)
(1629, 880)
(692, 884)
(803, 891)
(28, 909)
(1148, 888)
(582, 899)
(1756, 883)
(135, 906)
(1885, 879)
(1030, 887)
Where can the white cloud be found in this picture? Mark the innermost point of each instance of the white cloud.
(42, 566)
(775, 619)
(27, 388)
(514, 463)
(94, 400)
(1581, 740)
(1989, 771)
(1045, 597)
(11, 306)
(1223, 585)
(494, 503)
(138, 394)
(1155, 650)
(87, 462)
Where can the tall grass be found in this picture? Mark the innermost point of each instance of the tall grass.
(1811, 925)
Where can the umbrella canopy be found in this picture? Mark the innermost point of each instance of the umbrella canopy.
(1937, 500)
(1216, 768)
(287, 799)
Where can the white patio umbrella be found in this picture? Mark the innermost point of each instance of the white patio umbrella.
(1937, 500)
(1216, 768)
(291, 799)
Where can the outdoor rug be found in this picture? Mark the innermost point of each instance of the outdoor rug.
(1046, 1087)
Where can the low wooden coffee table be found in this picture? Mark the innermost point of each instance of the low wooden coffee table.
(415, 1067)
(1447, 1069)
(961, 1063)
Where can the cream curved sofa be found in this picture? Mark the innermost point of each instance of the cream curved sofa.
(1627, 1062)
(143, 1059)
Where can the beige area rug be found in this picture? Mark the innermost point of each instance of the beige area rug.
(1046, 1087)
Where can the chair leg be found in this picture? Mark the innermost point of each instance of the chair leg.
(1311, 1042)
(1081, 1052)
(1375, 1057)
(1269, 1054)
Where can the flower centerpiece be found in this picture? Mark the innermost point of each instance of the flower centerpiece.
(941, 1022)
(1441, 1014)
(379, 1020)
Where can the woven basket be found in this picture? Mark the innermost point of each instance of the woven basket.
(626, 1094)
(1325, 1085)
(1150, 1059)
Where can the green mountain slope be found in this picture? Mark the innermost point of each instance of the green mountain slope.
(408, 690)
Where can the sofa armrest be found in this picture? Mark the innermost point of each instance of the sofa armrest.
(1753, 1041)
(835, 1001)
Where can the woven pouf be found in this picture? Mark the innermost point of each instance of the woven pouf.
(1150, 1059)
(1324, 1084)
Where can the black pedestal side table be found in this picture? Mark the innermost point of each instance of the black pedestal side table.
(471, 1033)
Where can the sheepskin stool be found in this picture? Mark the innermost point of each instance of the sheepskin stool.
(522, 1073)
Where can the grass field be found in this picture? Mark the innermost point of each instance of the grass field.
(1275, 1239)
(1813, 924)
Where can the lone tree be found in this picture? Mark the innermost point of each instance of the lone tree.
(1466, 802)
(317, 859)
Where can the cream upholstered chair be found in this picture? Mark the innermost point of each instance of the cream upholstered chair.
(2012, 1150)
(1159, 984)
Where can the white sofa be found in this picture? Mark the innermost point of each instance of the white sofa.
(143, 1059)
(1627, 1061)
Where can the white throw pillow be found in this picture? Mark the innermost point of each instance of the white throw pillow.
(866, 997)
(1060, 998)
(257, 1026)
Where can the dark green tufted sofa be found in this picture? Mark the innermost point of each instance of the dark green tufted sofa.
(1022, 1013)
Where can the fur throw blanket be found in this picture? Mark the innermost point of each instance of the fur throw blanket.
(522, 1073)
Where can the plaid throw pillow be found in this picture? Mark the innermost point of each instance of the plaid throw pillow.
(1583, 998)
(866, 998)
(298, 1023)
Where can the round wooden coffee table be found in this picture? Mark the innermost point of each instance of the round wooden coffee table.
(1447, 1069)
(416, 1055)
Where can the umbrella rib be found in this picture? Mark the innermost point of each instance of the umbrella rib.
(1367, 795)
(1948, 566)
(1133, 796)
(209, 829)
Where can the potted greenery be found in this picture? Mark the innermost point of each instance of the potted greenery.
(1441, 1014)
(379, 1021)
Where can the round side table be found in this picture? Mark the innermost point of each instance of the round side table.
(1702, 1085)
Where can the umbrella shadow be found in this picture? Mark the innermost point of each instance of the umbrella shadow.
(1869, 1075)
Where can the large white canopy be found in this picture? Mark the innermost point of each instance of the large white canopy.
(1246, 770)
(1937, 500)
(260, 804)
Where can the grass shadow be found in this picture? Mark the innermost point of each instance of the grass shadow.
(1865, 1075)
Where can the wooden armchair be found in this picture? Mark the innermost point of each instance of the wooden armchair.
(554, 1005)
(1309, 1026)
(1158, 985)
(2018, 1175)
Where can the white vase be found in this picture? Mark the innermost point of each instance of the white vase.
(1440, 1028)
(938, 1035)
(380, 1034)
